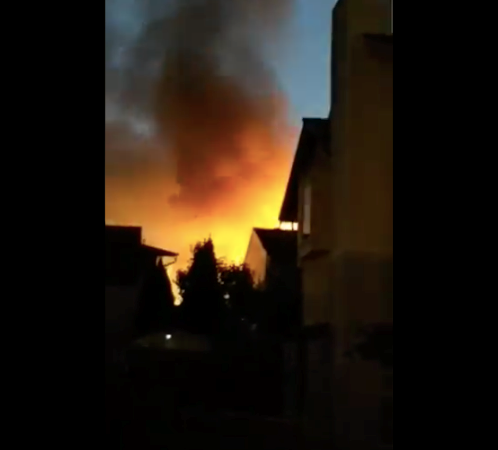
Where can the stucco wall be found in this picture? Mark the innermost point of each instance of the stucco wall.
(313, 258)
(317, 291)
(360, 271)
(318, 176)
(256, 258)
(369, 159)
(362, 129)
(363, 204)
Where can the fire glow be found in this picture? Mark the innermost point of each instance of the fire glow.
(229, 222)
(218, 161)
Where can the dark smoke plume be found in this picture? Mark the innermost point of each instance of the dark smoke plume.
(197, 139)
(217, 103)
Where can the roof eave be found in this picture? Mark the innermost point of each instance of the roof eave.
(289, 210)
(159, 251)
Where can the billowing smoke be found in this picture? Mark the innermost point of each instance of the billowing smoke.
(196, 126)
(218, 103)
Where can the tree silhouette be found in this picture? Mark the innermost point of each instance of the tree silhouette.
(238, 289)
(202, 305)
(219, 298)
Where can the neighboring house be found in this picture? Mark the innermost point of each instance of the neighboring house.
(307, 203)
(271, 253)
(272, 259)
(341, 194)
(137, 287)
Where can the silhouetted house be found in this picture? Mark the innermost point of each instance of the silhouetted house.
(307, 202)
(272, 258)
(340, 193)
(271, 252)
(138, 292)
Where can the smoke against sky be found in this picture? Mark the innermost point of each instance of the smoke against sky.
(197, 139)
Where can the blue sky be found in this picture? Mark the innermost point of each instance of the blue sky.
(305, 75)
(303, 70)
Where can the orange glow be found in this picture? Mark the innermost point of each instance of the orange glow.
(144, 200)
(220, 158)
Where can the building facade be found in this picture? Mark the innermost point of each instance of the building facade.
(341, 194)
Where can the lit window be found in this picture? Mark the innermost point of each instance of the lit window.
(289, 226)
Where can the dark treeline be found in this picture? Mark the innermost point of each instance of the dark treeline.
(242, 321)
(221, 300)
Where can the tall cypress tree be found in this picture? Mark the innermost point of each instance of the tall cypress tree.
(201, 292)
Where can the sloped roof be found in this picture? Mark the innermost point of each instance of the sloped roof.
(125, 253)
(314, 132)
(124, 236)
(158, 251)
(280, 245)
